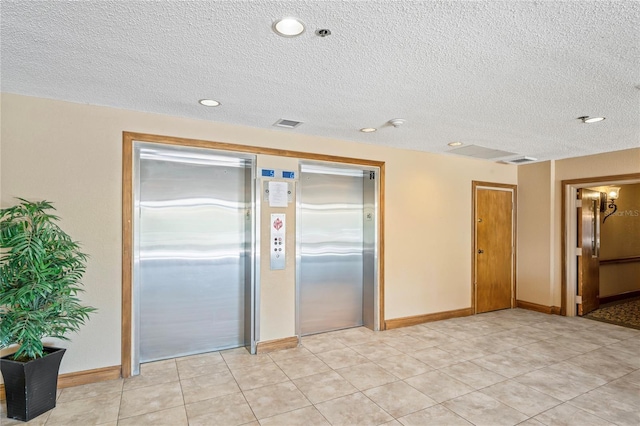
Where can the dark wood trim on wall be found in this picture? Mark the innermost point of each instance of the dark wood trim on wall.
(127, 211)
(555, 310)
(81, 378)
(421, 319)
(278, 344)
(474, 185)
(127, 253)
(381, 263)
(618, 297)
(595, 181)
(247, 149)
(617, 260)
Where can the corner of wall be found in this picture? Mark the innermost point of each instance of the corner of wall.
(554, 284)
(535, 233)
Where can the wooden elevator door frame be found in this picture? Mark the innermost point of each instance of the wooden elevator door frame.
(474, 248)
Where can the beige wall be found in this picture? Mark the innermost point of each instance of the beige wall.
(537, 230)
(277, 288)
(71, 154)
(535, 242)
(620, 237)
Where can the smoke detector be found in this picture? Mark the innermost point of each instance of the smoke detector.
(397, 122)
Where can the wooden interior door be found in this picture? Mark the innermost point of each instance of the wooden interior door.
(494, 250)
(589, 243)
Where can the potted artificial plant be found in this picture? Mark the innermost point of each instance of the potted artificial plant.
(40, 272)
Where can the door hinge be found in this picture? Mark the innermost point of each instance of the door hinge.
(578, 300)
(578, 251)
(372, 175)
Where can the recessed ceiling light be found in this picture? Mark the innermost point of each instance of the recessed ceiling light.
(454, 143)
(368, 129)
(589, 120)
(288, 27)
(209, 102)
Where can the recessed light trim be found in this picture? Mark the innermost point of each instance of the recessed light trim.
(589, 120)
(209, 102)
(288, 27)
(368, 129)
(455, 144)
(323, 32)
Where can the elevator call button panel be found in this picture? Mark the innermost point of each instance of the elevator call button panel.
(278, 239)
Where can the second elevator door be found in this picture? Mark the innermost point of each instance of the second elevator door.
(332, 254)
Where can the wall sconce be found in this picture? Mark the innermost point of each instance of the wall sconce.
(613, 192)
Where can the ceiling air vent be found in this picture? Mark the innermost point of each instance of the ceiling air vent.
(520, 160)
(476, 151)
(287, 124)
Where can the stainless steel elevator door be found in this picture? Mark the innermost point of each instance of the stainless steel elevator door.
(192, 252)
(331, 251)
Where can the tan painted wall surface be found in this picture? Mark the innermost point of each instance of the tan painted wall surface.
(534, 233)
(620, 237)
(539, 218)
(71, 154)
(277, 288)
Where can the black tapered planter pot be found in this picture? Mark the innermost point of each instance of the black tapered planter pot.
(30, 387)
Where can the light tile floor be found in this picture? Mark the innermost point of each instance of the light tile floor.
(500, 368)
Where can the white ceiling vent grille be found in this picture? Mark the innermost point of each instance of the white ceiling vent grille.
(476, 151)
(520, 160)
(287, 124)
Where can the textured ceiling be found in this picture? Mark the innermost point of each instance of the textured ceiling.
(504, 75)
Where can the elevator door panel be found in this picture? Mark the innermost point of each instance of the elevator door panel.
(331, 264)
(192, 255)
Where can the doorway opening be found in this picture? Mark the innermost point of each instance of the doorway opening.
(575, 237)
(337, 223)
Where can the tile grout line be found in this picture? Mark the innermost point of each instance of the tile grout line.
(543, 351)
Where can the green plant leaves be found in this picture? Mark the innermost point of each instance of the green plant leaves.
(41, 269)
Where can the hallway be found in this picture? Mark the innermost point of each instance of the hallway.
(500, 368)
